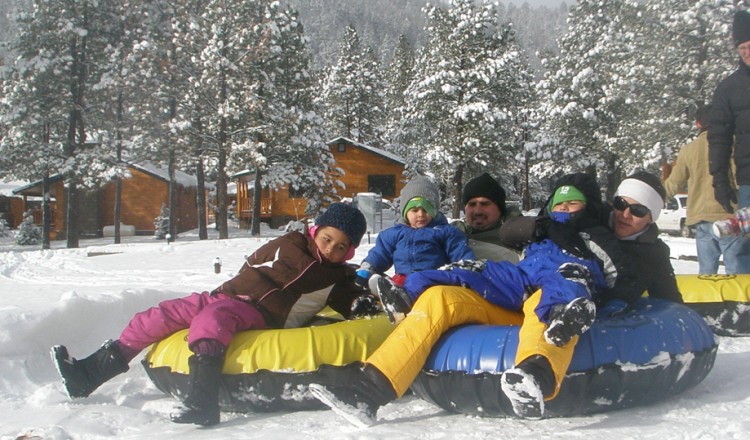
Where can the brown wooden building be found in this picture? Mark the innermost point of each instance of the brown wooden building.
(11, 209)
(142, 196)
(365, 169)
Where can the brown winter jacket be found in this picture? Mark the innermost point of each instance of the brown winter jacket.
(691, 167)
(279, 272)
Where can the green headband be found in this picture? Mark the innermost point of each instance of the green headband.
(419, 202)
(566, 193)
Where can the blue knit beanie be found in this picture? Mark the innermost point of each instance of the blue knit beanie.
(346, 219)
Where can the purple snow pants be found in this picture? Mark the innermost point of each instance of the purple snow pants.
(214, 318)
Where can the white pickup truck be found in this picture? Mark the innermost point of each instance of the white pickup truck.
(673, 216)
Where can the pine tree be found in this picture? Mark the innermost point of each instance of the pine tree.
(461, 104)
(161, 223)
(28, 232)
(398, 77)
(352, 93)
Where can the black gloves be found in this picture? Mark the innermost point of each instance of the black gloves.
(724, 193)
(472, 265)
(564, 236)
(365, 305)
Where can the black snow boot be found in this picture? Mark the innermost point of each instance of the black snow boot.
(201, 406)
(569, 320)
(358, 397)
(396, 302)
(82, 377)
(527, 384)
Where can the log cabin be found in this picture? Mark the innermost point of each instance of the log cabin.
(365, 169)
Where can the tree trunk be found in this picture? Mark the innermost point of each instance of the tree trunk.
(200, 199)
(172, 198)
(46, 213)
(200, 177)
(458, 187)
(257, 196)
(118, 179)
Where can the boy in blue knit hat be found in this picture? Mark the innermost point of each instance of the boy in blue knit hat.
(422, 239)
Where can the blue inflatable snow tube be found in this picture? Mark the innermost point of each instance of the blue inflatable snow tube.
(651, 351)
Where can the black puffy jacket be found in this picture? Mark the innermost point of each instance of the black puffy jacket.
(728, 124)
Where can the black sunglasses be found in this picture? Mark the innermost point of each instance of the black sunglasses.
(636, 209)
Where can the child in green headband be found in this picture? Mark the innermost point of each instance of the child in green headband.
(422, 239)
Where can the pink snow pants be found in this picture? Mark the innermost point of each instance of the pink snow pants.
(216, 318)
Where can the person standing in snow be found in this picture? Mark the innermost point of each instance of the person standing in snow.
(563, 285)
(729, 124)
(260, 296)
(422, 239)
(691, 170)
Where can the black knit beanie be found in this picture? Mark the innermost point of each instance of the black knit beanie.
(485, 186)
(741, 27)
(345, 218)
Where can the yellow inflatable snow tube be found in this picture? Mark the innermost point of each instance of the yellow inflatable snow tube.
(722, 300)
(269, 370)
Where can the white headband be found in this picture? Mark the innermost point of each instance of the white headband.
(644, 194)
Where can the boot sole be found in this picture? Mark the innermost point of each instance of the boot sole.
(583, 313)
(392, 303)
(59, 355)
(349, 413)
(524, 395)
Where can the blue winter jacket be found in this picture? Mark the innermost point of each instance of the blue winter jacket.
(411, 250)
(507, 285)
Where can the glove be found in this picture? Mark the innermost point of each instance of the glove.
(472, 265)
(365, 305)
(577, 273)
(362, 276)
(614, 308)
(724, 193)
(565, 237)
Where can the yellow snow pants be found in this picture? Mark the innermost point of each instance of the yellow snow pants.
(404, 352)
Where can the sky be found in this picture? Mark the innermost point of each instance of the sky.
(81, 297)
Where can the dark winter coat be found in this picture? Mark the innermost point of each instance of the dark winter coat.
(729, 124)
(275, 276)
(651, 258)
(412, 250)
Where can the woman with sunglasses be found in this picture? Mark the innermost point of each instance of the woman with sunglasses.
(636, 207)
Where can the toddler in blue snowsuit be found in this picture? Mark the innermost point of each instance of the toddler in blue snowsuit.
(421, 240)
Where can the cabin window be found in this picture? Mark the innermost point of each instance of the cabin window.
(383, 184)
(341, 148)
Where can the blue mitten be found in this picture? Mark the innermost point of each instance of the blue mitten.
(363, 275)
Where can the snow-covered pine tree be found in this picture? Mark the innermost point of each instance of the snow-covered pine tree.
(586, 93)
(45, 109)
(285, 140)
(684, 50)
(461, 103)
(161, 223)
(398, 77)
(352, 92)
(28, 232)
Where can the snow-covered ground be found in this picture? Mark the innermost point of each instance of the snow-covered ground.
(80, 297)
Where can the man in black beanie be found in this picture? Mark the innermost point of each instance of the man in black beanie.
(729, 125)
(484, 212)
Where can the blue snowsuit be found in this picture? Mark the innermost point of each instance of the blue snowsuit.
(508, 285)
(411, 250)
